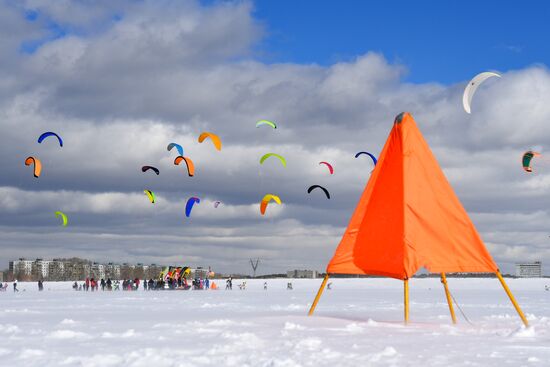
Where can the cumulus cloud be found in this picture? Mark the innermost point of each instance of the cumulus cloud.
(124, 80)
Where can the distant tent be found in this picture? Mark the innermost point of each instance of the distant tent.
(409, 217)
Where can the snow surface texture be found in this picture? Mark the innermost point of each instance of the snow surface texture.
(357, 323)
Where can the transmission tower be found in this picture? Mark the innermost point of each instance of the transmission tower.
(254, 264)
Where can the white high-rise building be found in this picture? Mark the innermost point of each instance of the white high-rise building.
(112, 271)
(56, 269)
(21, 267)
(529, 270)
(98, 271)
(43, 267)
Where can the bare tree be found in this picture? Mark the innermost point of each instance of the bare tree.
(126, 272)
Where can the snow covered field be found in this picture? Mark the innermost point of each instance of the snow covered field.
(357, 323)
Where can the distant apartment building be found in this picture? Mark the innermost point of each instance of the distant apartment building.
(79, 269)
(112, 271)
(21, 267)
(97, 271)
(75, 269)
(56, 269)
(301, 274)
(529, 270)
(42, 268)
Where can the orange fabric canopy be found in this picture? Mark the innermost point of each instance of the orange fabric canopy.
(409, 217)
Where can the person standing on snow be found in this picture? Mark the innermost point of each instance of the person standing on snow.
(15, 286)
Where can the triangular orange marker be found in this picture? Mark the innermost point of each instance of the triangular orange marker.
(409, 217)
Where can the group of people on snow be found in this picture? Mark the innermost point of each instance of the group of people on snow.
(181, 283)
(90, 284)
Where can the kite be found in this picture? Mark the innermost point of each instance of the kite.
(329, 166)
(188, 162)
(178, 147)
(63, 217)
(154, 169)
(215, 139)
(526, 160)
(37, 165)
(472, 86)
(151, 195)
(267, 198)
(189, 205)
(265, 156)
(369, 154)
(48, 134)
(266, 122)
(311, 188)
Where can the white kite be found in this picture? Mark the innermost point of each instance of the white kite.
(472, 87)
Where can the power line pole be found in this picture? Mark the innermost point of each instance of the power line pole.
(254, 265)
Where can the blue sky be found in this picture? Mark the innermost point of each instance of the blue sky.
(443, 41)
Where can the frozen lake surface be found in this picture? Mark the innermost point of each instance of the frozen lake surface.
(357, 323)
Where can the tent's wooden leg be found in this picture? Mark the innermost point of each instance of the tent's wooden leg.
(406, 290)
(512, 299)
(319, 293)
(448, 295)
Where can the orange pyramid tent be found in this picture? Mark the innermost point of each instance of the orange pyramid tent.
(409, 217)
